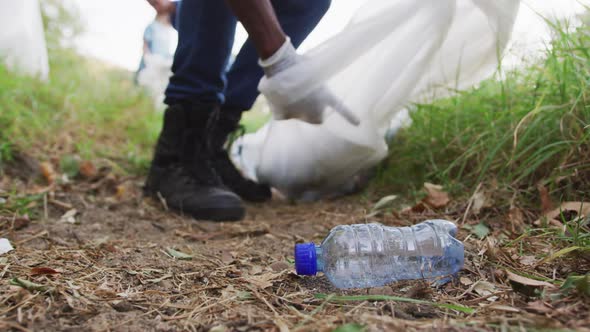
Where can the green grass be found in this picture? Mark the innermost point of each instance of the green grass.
(86, 111)
(255, 118)
(86, 108)
(351, 298)
(530, 127)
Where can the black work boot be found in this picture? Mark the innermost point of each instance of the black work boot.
(232, 178)
(181, 174)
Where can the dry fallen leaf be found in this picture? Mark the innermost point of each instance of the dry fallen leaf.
(218, 328)
(465, 281)
(381, 205)
(105, 293)
(228, 292)
(265, 280)
(516, 218)
(505, 308)
(528, 260)
(527, 281)
(386, 290)
(120, 192)
(122, 305)
(48, 172)
(43, 271)
(436, 197)
(88, 170)
(546, 202)
(480, 200)
(69, 217)
(227, 258)
(257, 269)
(418, 208)
(491, 249)
(540, 307)
(283, 327)
(280, 266)
(484, 288)
(568, 211)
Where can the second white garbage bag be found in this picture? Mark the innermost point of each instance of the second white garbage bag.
(22, 38)
(392, 53)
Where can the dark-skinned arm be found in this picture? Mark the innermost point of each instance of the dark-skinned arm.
(260, 21)
(277, 54)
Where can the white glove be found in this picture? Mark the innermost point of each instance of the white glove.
(312, 108)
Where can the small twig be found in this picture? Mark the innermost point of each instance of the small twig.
(297, 312)
(14, 326)
(45, 210)
(255, 292)
(32, 238)
(19, 304)
(198, 310)
(163, 201)
(315, 311)
(4, 270)
(479, 299)
(471, 200)
(355, 308)
(61, 205)
(93, 273)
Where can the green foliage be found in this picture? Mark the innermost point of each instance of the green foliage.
(86, 108)
(69, 165)
(580, 284)
(574, 236)
(21, 205)
(178, 255)
(532, 126)
(62, 22)
(28, 285)
(577, 232)
(481, 230)
(254, 119)
(353, 298)
(350, 328)
(5, 152)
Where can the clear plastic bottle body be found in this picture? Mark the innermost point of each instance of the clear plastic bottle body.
(373, 255)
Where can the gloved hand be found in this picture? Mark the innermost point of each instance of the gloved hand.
(312, 108)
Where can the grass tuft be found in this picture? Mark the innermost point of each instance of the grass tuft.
(520, 129)
(349, 298)
(86, 108)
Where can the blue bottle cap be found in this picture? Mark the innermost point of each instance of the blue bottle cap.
(305, 259)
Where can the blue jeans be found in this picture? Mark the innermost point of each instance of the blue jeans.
(206, 30)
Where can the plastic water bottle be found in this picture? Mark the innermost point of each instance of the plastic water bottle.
(373, 255)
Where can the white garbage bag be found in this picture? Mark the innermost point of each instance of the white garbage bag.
(22, 37)
(393, 52)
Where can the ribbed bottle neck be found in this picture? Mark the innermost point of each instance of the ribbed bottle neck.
(319, 258)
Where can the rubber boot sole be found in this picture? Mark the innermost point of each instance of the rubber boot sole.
(218, 214)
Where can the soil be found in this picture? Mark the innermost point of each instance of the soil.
(108, 268)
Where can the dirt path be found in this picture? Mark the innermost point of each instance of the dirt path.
(115, 274)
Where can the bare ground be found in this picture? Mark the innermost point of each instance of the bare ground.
(115, 273)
